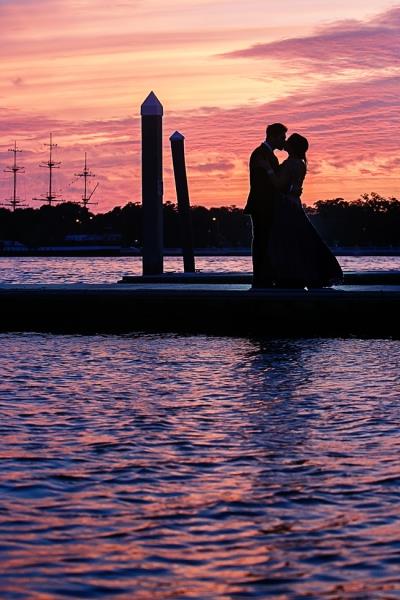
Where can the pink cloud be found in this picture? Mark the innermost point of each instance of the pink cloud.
(343, 45)
(362, 117)
(213, 167)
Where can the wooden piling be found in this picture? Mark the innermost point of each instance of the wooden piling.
(182, 195)
(152, 185)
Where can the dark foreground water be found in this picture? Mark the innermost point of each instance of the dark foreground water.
(166, 467)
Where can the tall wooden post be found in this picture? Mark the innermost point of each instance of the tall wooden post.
(182, 194)
(152, 185)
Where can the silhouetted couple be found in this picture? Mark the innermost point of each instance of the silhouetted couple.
(287, 251)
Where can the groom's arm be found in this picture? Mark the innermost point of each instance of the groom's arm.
(279, 179)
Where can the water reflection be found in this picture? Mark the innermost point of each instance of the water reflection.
(176, 467)
(34, 270)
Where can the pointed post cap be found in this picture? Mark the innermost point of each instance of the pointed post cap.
(177, 137)
(151, 106)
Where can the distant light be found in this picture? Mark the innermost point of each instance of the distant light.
(214, 218)
(77, 221)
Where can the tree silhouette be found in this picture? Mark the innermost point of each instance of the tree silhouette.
(371, 220)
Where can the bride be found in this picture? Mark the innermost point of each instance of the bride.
(297, 254)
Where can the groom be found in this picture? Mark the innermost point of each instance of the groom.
(260, 201)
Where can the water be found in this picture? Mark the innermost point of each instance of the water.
(109, 270)
(168, 467)
(163, 467)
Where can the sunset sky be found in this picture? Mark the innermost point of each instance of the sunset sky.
(222, 70)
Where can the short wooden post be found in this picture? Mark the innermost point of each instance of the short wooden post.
(152, 185)
(182, 194)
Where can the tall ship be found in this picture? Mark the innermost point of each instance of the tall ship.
(14, 202)
(50, 197)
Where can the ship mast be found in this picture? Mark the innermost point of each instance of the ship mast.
(86, 173)
(51, 164)
(14, 202)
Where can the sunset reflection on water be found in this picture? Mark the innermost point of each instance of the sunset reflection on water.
(97, 269)
(162, 466)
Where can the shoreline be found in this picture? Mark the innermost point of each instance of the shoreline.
(117, 251)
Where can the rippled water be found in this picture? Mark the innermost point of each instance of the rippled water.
(167, 467)
(111, 269)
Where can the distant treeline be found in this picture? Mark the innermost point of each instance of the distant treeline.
(369, 221)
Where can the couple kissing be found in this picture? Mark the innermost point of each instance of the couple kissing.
(287, 251)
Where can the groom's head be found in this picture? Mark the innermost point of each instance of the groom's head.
(276, 135)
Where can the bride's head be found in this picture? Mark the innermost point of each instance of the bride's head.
(296, 146)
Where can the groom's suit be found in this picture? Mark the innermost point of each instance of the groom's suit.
(260, 205)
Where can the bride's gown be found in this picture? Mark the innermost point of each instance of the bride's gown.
(297, 254)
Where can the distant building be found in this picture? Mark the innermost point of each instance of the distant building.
(12, 246)
(94, 238)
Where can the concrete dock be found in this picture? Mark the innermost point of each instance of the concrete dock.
(367, 310)
(350, 278)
